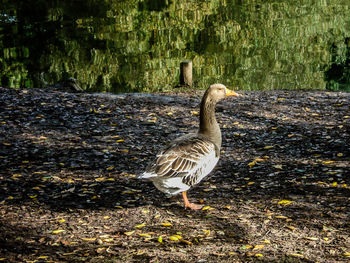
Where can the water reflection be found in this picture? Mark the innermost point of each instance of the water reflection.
(119, 46)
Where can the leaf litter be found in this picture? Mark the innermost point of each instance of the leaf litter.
(69, 188)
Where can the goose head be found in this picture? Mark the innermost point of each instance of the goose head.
(218, 92)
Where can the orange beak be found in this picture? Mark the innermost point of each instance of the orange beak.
(231, 93)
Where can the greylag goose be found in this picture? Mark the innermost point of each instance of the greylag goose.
(188, 159)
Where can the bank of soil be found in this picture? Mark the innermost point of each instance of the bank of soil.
(69, 192)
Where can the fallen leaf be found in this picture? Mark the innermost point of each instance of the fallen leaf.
(58, 231)
(129, 233)
(278, 166)
(285, 202)
(258, 247)
(268, 147)
(296, 255)
(206, 231)
(175, 237)
(144, 235)
(43, 257)
(251, 164)
(328, 162)
(281, 217)
(141, 225)
(186, 241)
(89, 239)
(311, 238)
(166, 224)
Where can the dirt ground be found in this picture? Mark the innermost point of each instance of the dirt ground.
(69, 190)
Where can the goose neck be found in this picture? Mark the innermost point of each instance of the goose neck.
(208, 125)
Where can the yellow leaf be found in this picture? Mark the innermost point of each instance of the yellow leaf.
(290, 227)
(144, 235)
(207, 232)
(186, 241)
(36, 188)
(284, 202)
(160, 239)
(61, 221)
(346, 254)
(251, 164)
(258, 247)
(10, 197)
(141, 225)
(89, 239)
(340, 154)
(120, 140)
(207, 208)
(129, 233)
(16, 175)
(281, 217)
(258, 255)
(194, 113)
(58, 231)
(33, 196)
(175, 238)
(166, 224)
(110, 168)
(170, 113)
(100, 179)
(43, 257)
(334, 184)
(296, 255)
(25, 161)
(268, 147)
(251, 183)
(228, 207)
(106, 217)
(266, 241)
(328, 162)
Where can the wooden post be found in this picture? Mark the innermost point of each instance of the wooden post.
(186, 73)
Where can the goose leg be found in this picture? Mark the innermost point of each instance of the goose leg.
(188, 204)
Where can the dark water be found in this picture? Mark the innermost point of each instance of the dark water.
(119, 46)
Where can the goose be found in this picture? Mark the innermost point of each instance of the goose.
(190, 158)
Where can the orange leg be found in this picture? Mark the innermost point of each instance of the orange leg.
(188, 204)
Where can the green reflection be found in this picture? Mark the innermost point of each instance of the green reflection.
(129, 46)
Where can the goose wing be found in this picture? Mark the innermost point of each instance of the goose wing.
(191, 158)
